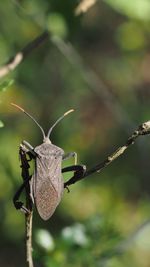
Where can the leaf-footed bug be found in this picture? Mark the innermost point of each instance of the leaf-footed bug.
(45, 187)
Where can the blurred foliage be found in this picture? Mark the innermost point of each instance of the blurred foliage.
(97, 63)
(90, 244)
(3, 87)
(137, 9)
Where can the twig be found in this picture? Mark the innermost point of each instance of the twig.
(94, 82)
(28, 226)
(29, 259)
(22, 54)
(143, 129)
(96, 85)
(84, 6)
(29, 215)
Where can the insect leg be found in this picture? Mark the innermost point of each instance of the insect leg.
(79, 171)
(18, 204)
(26, 147)
(26, 184)
(70, 155)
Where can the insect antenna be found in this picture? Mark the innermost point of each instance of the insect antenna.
(29, 117)
(65, 114)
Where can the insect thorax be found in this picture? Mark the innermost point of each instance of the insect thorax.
(46, 150)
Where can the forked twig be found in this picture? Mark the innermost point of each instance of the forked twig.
(143, 129)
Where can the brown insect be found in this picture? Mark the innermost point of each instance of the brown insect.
(46, 185)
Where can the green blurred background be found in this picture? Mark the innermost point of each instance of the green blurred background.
(99, 64)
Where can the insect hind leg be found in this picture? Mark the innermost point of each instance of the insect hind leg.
(79, 171)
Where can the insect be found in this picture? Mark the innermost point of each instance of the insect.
(45, 185)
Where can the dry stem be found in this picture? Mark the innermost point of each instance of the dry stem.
(28, 209)
(143, 129)
(22, 54)
(28, 221)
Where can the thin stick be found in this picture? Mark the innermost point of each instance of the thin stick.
(22, 54)
(28, 227)
(29, 215)
(143, 129)
(28, 222)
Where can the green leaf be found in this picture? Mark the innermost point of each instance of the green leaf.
(4, 85)
(45, 240)
(1, 124)
(75, 234)
(130, 36)
(139, 9)
(57, 25)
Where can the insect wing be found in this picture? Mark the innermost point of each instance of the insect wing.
(47, 185)
(46, 201)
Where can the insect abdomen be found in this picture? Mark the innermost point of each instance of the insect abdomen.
(47, 199)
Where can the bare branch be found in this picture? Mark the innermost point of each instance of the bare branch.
(28, 215)
(29, 259)
(143, 129)
(84, 6)
(22, 54)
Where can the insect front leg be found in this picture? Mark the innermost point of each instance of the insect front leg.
(28, 149)
(23, 152)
